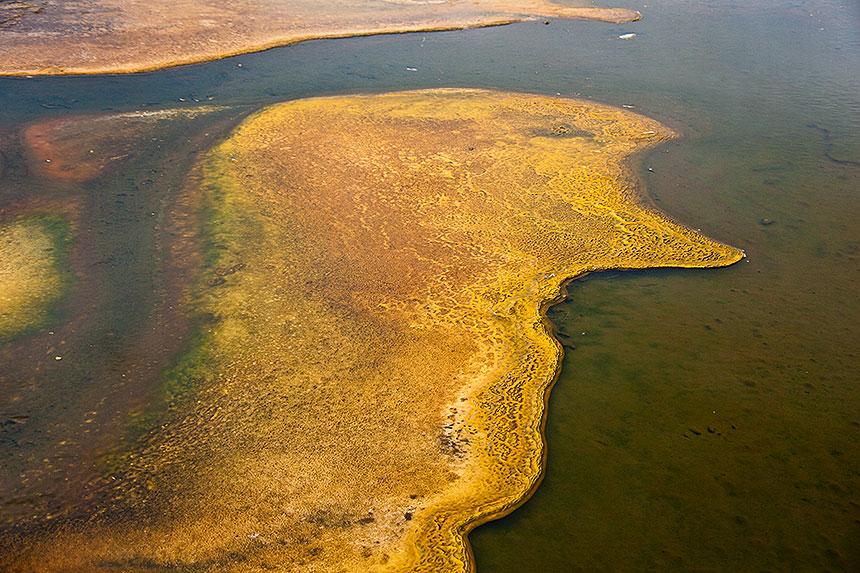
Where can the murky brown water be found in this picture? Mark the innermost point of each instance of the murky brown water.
(710, 422)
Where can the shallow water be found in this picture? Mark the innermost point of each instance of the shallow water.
(709, 420)
(704, 420)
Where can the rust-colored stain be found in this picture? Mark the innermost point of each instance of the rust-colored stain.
(79, 148)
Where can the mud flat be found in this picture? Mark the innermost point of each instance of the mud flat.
(370, 380)
(110, 36)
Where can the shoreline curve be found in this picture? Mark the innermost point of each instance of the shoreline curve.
(118, 38)
(372, 377)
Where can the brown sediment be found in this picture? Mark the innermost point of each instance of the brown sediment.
(115, 36)
(11, 12)
(58, 154)
(80, 148)
(371, 381)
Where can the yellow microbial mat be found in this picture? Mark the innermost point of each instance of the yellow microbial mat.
(29, 277)
(370, 377)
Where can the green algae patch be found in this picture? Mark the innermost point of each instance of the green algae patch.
(370, 377)
(33, 271)
(110, 36)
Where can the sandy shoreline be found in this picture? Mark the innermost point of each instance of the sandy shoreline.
(121, 37)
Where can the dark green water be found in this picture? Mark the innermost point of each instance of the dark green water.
(704, 420)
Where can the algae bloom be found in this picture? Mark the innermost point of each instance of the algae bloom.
(369, 382)
(31, 271)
